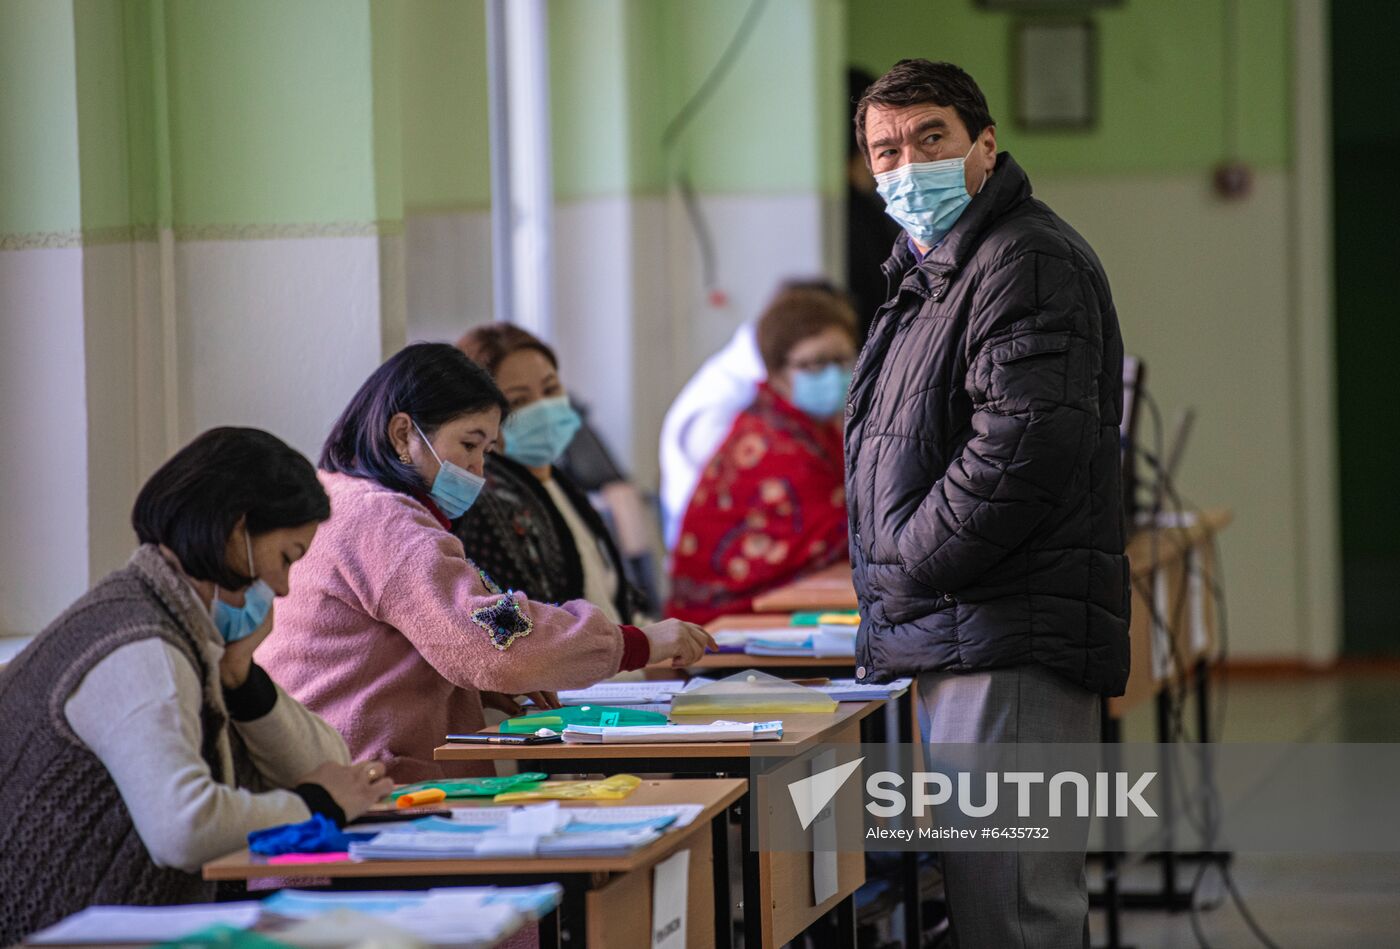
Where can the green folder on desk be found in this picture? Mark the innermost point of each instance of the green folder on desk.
(558, 719)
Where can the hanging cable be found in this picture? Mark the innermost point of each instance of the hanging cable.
(709, 267)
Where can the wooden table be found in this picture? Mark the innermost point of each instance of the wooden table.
(607, 900)
(1152, 552)
(1165, 556)
(827, 589)
(778, 883)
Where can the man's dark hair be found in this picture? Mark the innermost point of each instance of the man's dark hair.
(432, 382)
(193, 501)
(915, 81)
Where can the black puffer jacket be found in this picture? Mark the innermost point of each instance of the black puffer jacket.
(982, 454)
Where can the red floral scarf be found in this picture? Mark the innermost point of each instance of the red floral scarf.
(770, 506)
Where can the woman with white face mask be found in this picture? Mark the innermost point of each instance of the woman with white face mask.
(535, 529)
(392, 633)
(139, 738)
(771, 504)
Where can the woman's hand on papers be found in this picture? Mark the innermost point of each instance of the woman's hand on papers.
(508, 704)
(354, 786)
(682, 644)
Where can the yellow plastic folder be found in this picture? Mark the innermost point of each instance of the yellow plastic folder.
(613, 788)
(750, 692)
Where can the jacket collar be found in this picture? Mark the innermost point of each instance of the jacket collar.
(176, 593)
(1006, 188)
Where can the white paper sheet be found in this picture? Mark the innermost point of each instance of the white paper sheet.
(144, 924)
(669, 892)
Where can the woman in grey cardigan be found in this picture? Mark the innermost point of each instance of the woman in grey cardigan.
(139, 739)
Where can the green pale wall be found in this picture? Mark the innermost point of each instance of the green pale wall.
(621, 69)
(1161, 79)
(445, 107)
(593, 112)
(38, 118)
(386, 22)
(270, 111)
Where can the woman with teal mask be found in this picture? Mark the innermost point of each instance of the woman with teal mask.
(537, 530)
(770, 505)
(393, 633)
(138, 738)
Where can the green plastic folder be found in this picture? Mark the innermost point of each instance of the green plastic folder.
(558, 719)
(477, 787)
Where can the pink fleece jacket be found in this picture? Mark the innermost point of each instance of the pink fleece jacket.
(389, 631)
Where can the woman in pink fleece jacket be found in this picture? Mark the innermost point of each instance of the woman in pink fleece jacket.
(390, 633)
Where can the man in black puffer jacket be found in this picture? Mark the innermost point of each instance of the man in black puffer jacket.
(983, 471)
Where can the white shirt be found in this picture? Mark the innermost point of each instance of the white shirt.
(701, 417)
(600, 577)
(138, 710)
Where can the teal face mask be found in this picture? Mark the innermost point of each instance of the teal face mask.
(821, 393)
(239, 622)
(537, 434)
(455, 488)
(926, 198)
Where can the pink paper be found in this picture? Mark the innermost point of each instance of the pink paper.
(303, 858)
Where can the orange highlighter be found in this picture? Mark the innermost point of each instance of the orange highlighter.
(429, 796)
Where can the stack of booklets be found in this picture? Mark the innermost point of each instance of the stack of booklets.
(544, 830)
(450, 916)
(665, 734)
(659, 694)
(459, 917)
(823, 642)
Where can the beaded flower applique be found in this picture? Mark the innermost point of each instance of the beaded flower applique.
(505, 620)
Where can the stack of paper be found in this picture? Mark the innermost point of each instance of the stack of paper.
(452, 845)
(624, 693)
(852, 690)
(665, 734)
(737, 640)
(824, 642)
(144, 924)
(541, 830)
(452, 916)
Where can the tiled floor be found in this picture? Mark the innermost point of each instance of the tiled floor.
(1300, 900)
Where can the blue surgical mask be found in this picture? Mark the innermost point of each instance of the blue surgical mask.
(239, 622)
(926, 198)
(538, 433)
(821, 393)
(455, 488)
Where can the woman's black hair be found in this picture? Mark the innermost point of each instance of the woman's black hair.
(432, 382)
(193, 501)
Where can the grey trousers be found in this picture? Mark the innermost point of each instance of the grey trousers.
(1012, 900)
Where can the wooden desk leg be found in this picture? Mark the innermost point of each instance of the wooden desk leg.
(913, 903)
(573, 913)
(753, 893)
(549, 930)
(846, 923)
(1164, 764)
(1203, 699)
(719, 850)
(1112, 735)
